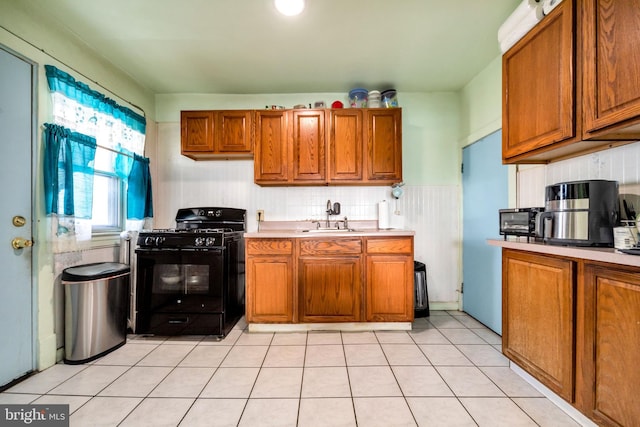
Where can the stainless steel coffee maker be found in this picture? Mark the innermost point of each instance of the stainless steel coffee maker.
(580, 213)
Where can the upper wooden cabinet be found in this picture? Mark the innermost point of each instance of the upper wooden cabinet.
(271, 161)
(308, 146)
(570, 85)
(331, 147)
(611, 36)
(383, 135)
(538, 86)
(216, 134)
(346, 146)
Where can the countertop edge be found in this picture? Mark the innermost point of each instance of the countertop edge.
(298, 234)
(608, 255)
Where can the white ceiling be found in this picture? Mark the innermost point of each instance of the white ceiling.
(245, 46)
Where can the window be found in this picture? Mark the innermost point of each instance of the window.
(108, 203)
(118, 136)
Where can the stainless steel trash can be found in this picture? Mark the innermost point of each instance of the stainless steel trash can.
(421, 303)
(96, 300)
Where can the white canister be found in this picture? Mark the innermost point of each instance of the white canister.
(374, 100)
(625, 237)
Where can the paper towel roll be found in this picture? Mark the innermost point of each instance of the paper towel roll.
(383, 215)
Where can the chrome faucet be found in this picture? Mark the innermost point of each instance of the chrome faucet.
(329, 212)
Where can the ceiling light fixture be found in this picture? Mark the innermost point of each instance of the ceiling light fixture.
(290, 7)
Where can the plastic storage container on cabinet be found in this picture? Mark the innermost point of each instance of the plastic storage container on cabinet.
(421, 303)
(96, 300)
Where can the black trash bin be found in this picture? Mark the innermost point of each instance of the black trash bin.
(96, 300)
(421, 302)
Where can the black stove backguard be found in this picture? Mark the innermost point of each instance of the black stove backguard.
(191, 280)
(226, 218)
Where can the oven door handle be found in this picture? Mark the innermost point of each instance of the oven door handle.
(178, 320)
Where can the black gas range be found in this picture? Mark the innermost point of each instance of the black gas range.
(190, 279)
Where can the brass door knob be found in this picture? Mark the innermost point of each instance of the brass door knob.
(19, 243)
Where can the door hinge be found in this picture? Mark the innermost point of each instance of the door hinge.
(461, 167)
(462, 288)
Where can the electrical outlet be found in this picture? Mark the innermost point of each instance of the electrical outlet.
(259, 215)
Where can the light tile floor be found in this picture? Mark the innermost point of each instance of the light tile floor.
(447, 371)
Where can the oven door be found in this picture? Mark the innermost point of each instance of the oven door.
(179, 288)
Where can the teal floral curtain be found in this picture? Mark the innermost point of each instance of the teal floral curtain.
(68, 172)
(82, 110)
(61, 82)
(139, 194)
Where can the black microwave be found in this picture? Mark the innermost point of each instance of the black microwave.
(519, 222)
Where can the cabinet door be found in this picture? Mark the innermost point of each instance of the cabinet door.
(269, 289)
(271, 147)
(383, 135)
(345, 145)
(197, 131)
(233, 133)
(611, 34)
(538, 319)
(611, 352)
(308, 146)
(269, 281)
(538, 86)
(330, 289)
(389, 288)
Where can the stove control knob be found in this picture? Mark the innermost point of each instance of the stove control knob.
(160, 240)
(199, 241)
(149, 241)
(210, 241)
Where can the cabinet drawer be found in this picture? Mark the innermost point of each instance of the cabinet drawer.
(391, 245)
(333, 246)
(269, 246)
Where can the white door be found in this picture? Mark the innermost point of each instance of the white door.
(484, 192)
(16, 287)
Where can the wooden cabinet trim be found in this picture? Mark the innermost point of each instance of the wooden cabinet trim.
(269, 246)
(389, 245)
(342, 246)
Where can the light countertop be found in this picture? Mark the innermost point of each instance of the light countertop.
(609, 255)
(295, 229)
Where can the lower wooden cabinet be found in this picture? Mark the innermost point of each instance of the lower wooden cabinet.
(610, 347)
(538, 317)
(269, 277)
(574, 325)
(389, 269)
(321, 280)
(330, 289)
